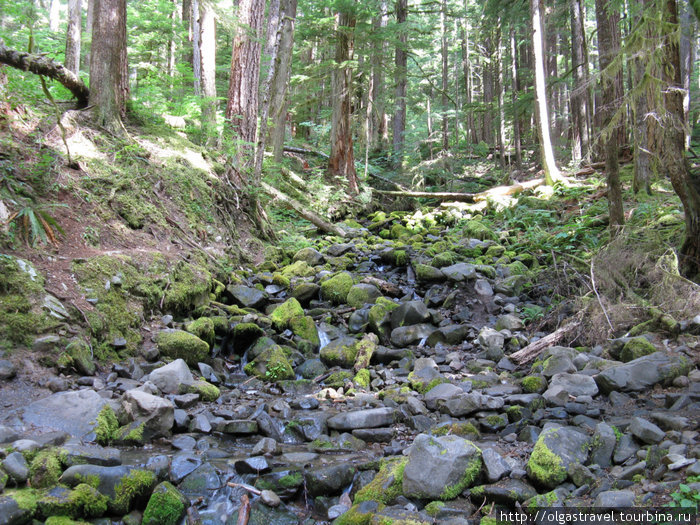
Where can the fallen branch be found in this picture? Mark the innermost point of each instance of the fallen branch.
(292, 149)
(467, 197)
(303, 212)
(41, 65)
(534, 349)
(244, 511)
(243, 486)
(385, 286)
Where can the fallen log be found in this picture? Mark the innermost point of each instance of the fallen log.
(388, 181)
(384, 286)
(467, 197)
(303, 212)
(244, 511)
(293, 149)
(42, 65)
(534, 349)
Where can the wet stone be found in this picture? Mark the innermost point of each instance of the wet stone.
(252, 465)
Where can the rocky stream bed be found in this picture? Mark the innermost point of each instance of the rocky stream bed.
(368, 381)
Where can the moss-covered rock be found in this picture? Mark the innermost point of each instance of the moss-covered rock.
(534, 384)
(338, 379)
(379, 317)
(463, 429)
(359, 514)
(387, 485)
(107, 426)
(87, 502)
(443, 259)
(361, 294)
(340, 352)
(362, 378)
(282, 316)
(78, 357)
(426, 274)
(271, 365)
(45, 468)
(166, 506)
(132, 490)
(207, 391)
(636, 347)
(336, 288)
(298, 269)
(178, 344)
(399, 231)
(204, 329)
(478, 230)
(189, 288)
(544, 466)
(365, 348)
(305, 327)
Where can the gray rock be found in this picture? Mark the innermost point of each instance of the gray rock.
(200, 423)
(509, 322)
(310, 256)
(454, 334)
(603, 445)
(238, 427)
(16, 467)
(7, 434)
(575, 384)
(156, 413)
(495, 467)
(508, 492)
(580, 475)
(374, 435)
(460, 272)
(72, 412)
(466, 404)
(407, 335)
(363, 293)
(305, 292)
(409, 313)
(668, 421)
(625, 449)
(46, 343)
(74, 453)
(440, 467)
(615, 499)
(328, 481)
(558, 364)
(371, 418)
(265, 446)
(11, 513)
(336, 250)
(198, 480)
(646, 431)
(183, 464)
(490, 339)
(565, 443)
(483, 287)
(170, 378)
(247, 296)
(441, 393)
(7, 370)
(311, 368)
(642, 373)
(252, 465)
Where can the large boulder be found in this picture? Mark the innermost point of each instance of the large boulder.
(340, 352)
(408, 335)
(336, 288)
(642, 373)
(179, 344)
(460, 272)
(563, 385)
(72, 412)
(370, 418)
(271, 365)
(409, 313)
(310, 256)
(556, 449)
(361, 294)
(282, 315)
(155, 414)
(171, 378)
(440, 467)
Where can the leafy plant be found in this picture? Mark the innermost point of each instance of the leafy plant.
(35, 225)
(684, 497)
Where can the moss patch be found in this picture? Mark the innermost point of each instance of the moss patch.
(282, 315)
(544, 466)
(635, 348)
(533, 384)
(336, 288)
(271, 365)
(178, 344)
(206, 391)
(202, 328)
(166, 506)
(131, 489)
(45, 469)
(107, 426)
(470, 475)
(387, 485)
(362, 378)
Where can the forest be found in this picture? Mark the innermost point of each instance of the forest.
(361, 263)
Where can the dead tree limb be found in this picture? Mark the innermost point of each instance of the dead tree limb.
(467, 197)
(390, 182)
(292, 149)
(41, 65)
(244, 511)
(303, 212)
(534, 349)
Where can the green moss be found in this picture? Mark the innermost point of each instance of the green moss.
(357, 297)
(202, 328)
(305, 327)
(178, 344)
(131, 488)
(635, 348)
(78, 357)
(618, 433)
(338, 379)
(515, 413)
(87, 501)
(45, 469)
(298, 269)
(544, 467)
(26, 499)
(362, 378)
(470, 474)
(387, 485)
(532, 384)
(336, 288)
(421, 387)
(400, 258)
(478, 230)
(63, 520)
(443, 259)
(107, 426)
(541, 501)
(189, 288)
(365, 349)
(283, 315)
(271, 365)
(434, 507)
(399, 231)
(355, 516)
(295, 479)
(378, 313)
(166, 506)
(457, 428)
(206, 391)
(280, 280)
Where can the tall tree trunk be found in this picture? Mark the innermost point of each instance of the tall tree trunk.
(206, 42)
(73, 35)
(401, 62)
(187, 26)
(108, 81)
(54, 15)
(443, 97)
(379, 133)
(645, 127)
(242, 106)
(487, 88)
(500, 88)
(551, 172)
(687, 50)
(515, 90)
(172, 41)
(685, 183)
(280, 82)
(342, 160)
(467, 72)
(579, 99)
(196, 50)
(608, 48)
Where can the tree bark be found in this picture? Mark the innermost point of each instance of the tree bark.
(445, 69)
(73, 35)
(242, 107)
(608, 48)
(687, 51)
(54, 15)
(206, 42)
(551, 172)
(196, 50)
(515, 90)
(41, 65)
(401, 63)
(579, 100)
(500, 89)
(379, 132)
(487, 134)
(466, 197)
(342, 161)
(685, 183)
